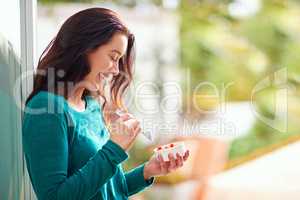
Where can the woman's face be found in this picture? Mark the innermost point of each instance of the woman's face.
(104, 61)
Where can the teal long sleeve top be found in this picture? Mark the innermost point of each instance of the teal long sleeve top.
(69, 154)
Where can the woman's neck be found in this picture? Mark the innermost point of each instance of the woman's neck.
(75, 99)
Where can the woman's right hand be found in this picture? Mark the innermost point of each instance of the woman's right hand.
(124, 129)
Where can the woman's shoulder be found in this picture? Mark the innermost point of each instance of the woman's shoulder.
(45, 101)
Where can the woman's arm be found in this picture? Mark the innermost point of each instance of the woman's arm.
(135, 180)
(45, 141)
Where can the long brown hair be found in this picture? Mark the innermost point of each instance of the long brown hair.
(80, 34)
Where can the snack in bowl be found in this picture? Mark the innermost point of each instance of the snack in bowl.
(173, 148)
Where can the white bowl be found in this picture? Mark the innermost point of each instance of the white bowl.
(172, 148)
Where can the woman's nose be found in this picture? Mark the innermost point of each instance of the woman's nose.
(115, 69)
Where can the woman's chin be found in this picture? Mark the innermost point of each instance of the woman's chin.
(91, 86)
(95, 85)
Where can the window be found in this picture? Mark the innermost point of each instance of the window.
(16, 56)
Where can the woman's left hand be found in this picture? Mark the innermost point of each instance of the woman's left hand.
(157, 167)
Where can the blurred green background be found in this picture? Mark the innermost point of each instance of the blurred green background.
(223, 46)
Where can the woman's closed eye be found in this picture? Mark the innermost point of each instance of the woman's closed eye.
(114, 58)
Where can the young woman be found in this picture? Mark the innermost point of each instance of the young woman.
(70, 154)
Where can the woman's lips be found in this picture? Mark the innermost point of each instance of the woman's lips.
(99, 77)
(105, 79)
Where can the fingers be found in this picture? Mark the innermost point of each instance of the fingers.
(124, 117)
(163, 165)
(186, 155)
(135, 124)
(175, 162)
(135, 134)
(172, 162)
(115, 117)
(137, 130)
(179, 160)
